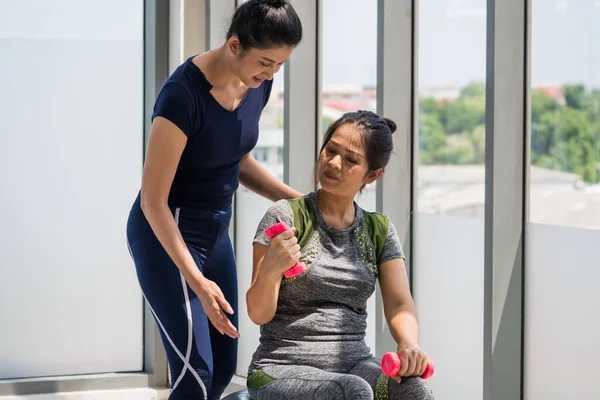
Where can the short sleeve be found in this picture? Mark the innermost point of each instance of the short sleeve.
(392, 248)
(175, 104)
(268, 87)
(280, 211)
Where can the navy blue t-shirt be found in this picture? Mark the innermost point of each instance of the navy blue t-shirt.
(208, 172)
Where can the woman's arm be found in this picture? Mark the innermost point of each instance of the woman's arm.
(269, 264)
(257, 178)
(165, 146)
(398, 305)
(261, 298)
(401, 316)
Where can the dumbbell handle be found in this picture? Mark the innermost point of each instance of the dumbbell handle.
(391, 365)
(275, 230)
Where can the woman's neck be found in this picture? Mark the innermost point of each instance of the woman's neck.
(216, 67)
(338, 211)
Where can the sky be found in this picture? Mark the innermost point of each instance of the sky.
(452, 44)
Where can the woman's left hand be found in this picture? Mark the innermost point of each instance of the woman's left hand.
(414, 361)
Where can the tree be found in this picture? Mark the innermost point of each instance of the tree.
(429, 105)
(477, 139)
(473, 89)
(464, 114)
(432, 138)
(565, 135)
(576, 96)
(543, 133)
(565, 141)
(541, 103)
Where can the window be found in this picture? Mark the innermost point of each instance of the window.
(70, 158)
(448, 229)
(349, 66)
(563, 231)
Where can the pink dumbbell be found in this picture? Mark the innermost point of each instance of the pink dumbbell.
(391, 365)
(275, 230)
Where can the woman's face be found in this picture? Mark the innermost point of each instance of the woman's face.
(342, 167)
(253, 66)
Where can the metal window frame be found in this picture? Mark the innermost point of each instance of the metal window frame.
(302, 106)
(156, 71)
(218, 12)
(396, 99)
(507, 88)
(155, 371)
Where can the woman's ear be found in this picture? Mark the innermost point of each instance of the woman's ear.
(234, 45)
(373, 175)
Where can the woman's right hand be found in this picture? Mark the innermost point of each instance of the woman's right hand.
(282, 253)
(214, 305)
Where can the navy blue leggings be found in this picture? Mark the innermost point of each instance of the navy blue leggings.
(202, 361)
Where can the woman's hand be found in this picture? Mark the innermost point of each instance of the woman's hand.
(214, 304)
(257, 178)
(282, 253)
(414, 361)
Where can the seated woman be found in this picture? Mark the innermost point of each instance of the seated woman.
(312, 343)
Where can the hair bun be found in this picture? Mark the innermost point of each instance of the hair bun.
(274, 3)
(391, 124)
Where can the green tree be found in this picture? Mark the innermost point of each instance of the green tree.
(576, 96)
(460, 154)
(473, 89)
(543, 133)
(477, 139)
(594, 112)
(432, 138)
(464, 114)
(567, 143)
(429, 105)
(565, 135)
(541, 103)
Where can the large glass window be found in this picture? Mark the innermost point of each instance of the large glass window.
(565, 114)
(563, 231)
(269, 148)
(71, 146)
(451, 174)
(448, 227)
(349, 66)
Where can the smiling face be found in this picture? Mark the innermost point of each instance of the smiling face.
(342, 167)
(253, 66)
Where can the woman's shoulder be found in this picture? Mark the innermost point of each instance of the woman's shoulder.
(267, 87)
(280, 208)
(302, 200)
(304, 205)
(378, 227)
(375, 218)
(290, 206)
(189, 77)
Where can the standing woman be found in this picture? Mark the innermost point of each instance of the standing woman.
(205, 124)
